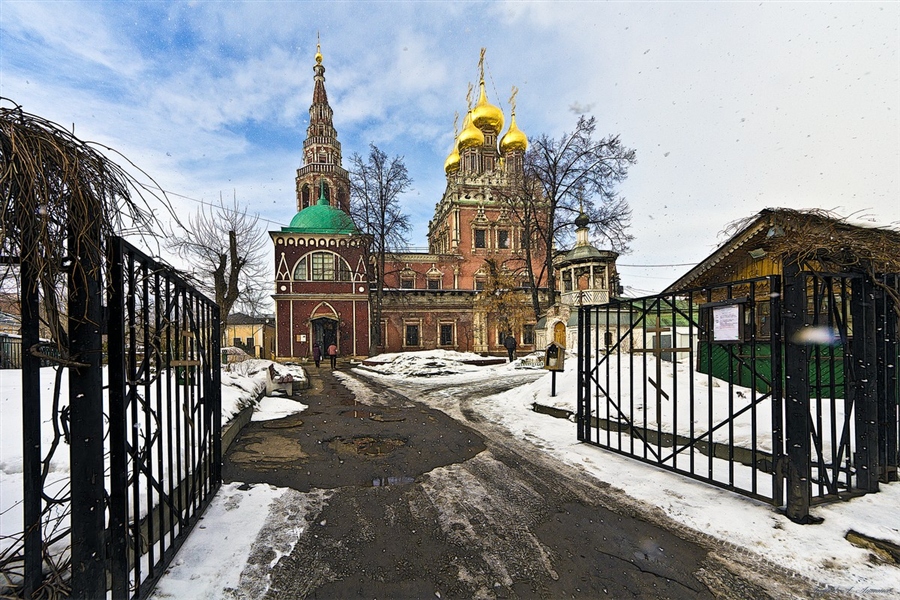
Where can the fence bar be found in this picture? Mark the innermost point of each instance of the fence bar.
(886, 346)
(118, 457)
(796, 390)
(776, 316)
(863, 384)
(31, 413)
(86, 404)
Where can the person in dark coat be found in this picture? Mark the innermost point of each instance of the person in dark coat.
(510, 344)
(332, 354)
(317, 353)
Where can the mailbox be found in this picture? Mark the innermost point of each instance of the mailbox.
(554, 357)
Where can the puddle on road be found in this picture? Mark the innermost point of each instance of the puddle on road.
(386, 481)
(367, 446)
(284, 423)
(359, 414)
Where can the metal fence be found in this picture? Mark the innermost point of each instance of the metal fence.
(164, 413)
(781, 388)
(117, 472)
(689, 382)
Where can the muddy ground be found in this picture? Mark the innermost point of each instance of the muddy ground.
(393, 499)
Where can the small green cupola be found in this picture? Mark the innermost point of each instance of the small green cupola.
(322, 218)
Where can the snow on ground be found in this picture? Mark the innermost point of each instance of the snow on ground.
(242, 384)
(818, 552)
(211, 562)
(220, 551)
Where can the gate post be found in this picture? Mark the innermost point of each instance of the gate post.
(583, 400)
(862, 384)
(86, 399)
(886, 368)
(796, 394)
(776, 344)
(31, 404)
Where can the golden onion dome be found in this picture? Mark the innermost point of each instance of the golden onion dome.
(451, 165)
(471, 136)
(513, 139)
(487, 116)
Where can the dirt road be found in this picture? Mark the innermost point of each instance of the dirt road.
(397, 500)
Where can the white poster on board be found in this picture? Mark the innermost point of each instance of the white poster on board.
(727, 323)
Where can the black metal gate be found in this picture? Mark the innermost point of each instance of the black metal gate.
(144, 447)
(782, 389)
(690, 382)
(164, 415)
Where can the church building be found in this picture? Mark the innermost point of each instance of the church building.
(431, 299)
(321, 280)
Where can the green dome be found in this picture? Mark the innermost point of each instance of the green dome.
(322, 218)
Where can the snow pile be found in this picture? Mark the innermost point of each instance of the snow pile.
(430, 363)
(243, 382)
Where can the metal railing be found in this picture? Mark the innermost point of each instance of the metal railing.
(781, 388)
(661, 382)
(143, 447)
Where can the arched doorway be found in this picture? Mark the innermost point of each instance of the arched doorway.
(325, 325)
(325, 331)
(559, 334)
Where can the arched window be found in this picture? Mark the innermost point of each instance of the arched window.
(300, 272)
(327, 266)
(304, 196)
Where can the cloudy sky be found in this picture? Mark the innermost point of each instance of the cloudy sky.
(731, 106)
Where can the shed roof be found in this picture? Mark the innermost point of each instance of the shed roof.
(801, 235)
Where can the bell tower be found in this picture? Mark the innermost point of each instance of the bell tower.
(322, 172)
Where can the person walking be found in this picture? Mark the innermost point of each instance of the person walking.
(510, 344)
(317, 353)
(332, 354)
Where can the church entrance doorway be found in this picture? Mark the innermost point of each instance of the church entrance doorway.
(325, 331)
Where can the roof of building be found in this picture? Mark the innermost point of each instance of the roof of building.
(242, 319)
(804, 235)
(322, 218)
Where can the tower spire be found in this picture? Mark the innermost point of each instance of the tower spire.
(321, 150)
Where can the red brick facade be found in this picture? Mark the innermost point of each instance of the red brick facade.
(430, 298)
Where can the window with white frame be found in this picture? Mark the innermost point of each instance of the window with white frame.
(447, 333)
(324, 266)
(411, 337)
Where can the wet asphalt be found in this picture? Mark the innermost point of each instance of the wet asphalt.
(397, 500)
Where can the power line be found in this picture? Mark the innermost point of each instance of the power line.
(658, 266)
(204, 202)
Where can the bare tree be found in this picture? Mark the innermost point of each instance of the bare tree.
(61, 200)
(226, 254)
(525, 198)
(376, 184)
(500, 298)
(564, 176)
